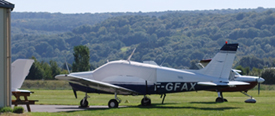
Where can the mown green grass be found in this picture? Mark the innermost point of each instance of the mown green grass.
(64, 85)
(187, 103)
(46, 84)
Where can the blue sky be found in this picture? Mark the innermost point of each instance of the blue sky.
(101, 6)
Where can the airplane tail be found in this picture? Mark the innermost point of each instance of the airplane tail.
(220, 66)
(19, 71)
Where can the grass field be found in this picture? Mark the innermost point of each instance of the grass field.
(188, 103)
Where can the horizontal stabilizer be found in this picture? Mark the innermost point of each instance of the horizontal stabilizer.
(98, 85)
(23, 91)
(230, 83)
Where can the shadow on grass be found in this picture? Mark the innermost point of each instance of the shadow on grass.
(167, 106)
(204, 103)
(75, 109)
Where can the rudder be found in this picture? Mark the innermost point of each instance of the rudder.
(221, 64)
(19, 71)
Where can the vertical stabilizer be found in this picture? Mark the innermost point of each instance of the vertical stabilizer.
(221, 64)
(19, 70)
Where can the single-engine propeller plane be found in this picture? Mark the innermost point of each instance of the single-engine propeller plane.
(235, 76)
(126, 77)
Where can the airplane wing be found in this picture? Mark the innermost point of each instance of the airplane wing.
(98, 85)
(230, 83)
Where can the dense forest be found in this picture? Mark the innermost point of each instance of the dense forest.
(171, 38)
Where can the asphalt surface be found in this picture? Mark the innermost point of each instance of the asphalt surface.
(60, 108)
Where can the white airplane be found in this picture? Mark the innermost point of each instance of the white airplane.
(235, 76)
(127, 77)
(19, 70)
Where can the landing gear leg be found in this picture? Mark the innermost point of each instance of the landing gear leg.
(220, 98)
(113, 103)
(251, 100)
(164, 95)
(146, 101)
(84, 102)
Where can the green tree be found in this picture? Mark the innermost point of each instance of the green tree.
(269, 75)
(47, 70)
(245, 70)
(55, 69)
(81, 58)
(36, 71)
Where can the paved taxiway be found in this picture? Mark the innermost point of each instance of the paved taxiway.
(60, 108)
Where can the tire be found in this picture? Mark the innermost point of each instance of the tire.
(225, 100)
(113, 103)
(219, 100)
(146, 101)
(84, 104)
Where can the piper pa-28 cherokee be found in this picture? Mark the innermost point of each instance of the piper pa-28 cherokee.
(127, 77)
(235, 76)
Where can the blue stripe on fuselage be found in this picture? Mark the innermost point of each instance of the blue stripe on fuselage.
(157, 88)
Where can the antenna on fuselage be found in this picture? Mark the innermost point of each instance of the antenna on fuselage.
(163, 61)
(67, 66)
(131, 55)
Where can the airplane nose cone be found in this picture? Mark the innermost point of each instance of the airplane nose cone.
(260, 80)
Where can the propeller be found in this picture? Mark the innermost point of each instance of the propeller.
(260, 80)
(259, 86)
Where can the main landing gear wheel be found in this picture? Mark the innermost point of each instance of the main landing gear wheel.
(84, 103)
(219, 99)
(225, 100)
(113, 103)
(146, 101)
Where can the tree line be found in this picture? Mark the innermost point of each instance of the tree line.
(47, 71)
(176, 37)
(171, 38)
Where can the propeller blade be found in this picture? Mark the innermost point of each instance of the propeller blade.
(259, 86)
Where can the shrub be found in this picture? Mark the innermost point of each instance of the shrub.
(18, 109)
(269, 75)
(6, 109)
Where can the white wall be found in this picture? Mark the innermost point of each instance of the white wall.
(5, 93)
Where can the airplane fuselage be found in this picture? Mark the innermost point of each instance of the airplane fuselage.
(144, 78)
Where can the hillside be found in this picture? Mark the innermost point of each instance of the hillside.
(173, 37)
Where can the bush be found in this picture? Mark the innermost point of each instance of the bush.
(6, 109)
(18, 109)
(269, 75)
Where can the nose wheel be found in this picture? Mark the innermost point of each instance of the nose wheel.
(84, 102)
(251, 100)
